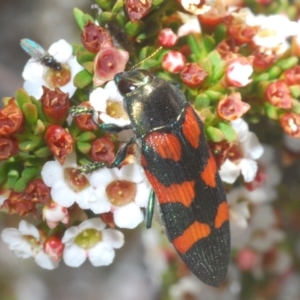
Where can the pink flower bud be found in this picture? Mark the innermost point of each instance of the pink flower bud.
(232, 107)
(173, 62)
(167, 38)
(279, 95)
(53, 247)
(53, 213)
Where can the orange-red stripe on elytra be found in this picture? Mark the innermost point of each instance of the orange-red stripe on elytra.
(183, 193)
(222, 214)
(190, 236)
(208, 175)
(166, 145)
(143, 161)
(190, 128)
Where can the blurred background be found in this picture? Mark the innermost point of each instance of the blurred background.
(46, 22)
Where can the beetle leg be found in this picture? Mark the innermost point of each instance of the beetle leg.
(150, 209)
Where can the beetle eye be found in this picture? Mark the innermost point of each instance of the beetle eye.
(126, 86)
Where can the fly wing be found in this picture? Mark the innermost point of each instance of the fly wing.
(178, 163)
(33, 49)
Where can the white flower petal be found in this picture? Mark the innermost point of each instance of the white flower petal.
(142, 193)
(252, 147)
(110, 120)
(128, 216)
(44, 261)
(95, 223)
(101, 255)
(33, 70)
(34, 87)
(62, 194)
(113, 237)
(241, 127)
(113, 91)
(28, 229)
(74, 256)
(132, 172)
(61, 50)
(248, 169)
(70, 235)
(98, 98)
(99, 205)
(101, 178)
(51, 172)
(229, 171)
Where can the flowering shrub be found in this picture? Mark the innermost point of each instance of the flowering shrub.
(237, 64)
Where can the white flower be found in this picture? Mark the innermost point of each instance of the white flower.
(91, 240)
(53, 174)
(27, 242)
(36, 74)
(123, 192)
(251, 150)
(109, 103)
(193, 7)
(273, 32)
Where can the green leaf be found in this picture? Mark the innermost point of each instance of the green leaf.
(150, 30)
(89, 66)
(202, 101)
(214, 134)
(81, 18)
(271, 111)
(287, 63)
(118, 6)
(31, 113)
(295, 90)
(27, 175)
(213, 95)
(42, 152)
(229, 133)
(86, 137)
(84, 147)
(22, 97)
(30, 145)
(104, 4)
(274, 72)
(132, 29)
(85, 56)
(12, 177)
(3, 173)
(82, 79)
(218, 66)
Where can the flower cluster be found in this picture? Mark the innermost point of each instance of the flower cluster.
(239, 70)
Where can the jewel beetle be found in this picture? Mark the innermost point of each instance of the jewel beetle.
(181, 169)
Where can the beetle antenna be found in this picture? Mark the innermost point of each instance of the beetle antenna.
(148, 57)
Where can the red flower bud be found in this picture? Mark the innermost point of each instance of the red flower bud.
(263, 61)
(8, 147)
(279, 95)
(292, 76)
(19, 203)
(59, 141)
(290, 122)
(173, 62)
(137, 9)
(103, 150)
(93, 37)
(11, 118)
(167, 38)
(55, 105)
(85, 121)
(108, 218)
(54, 247)
(38, 191)
(231, 107)
(108, 62)
(193, 75)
